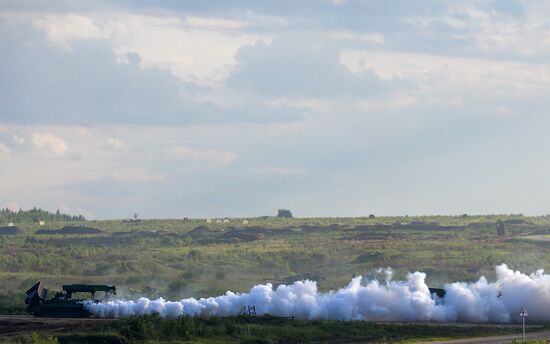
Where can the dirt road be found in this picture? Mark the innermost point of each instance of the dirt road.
(496, 339)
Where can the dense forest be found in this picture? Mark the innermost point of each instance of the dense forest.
(34, 215)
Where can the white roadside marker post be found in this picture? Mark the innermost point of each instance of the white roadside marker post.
(523, 314)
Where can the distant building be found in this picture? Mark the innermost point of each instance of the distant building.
(208, 220)
(218, 221)
(500, 228)
(225, 220)
(371, 216)
(41, 222)
(11, 224)
(245, 222)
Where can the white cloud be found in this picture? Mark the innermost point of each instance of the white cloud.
(490, 76)
(494, 31)
(134, 175)
(396, 102)
(63, 30)
(51, 145)
(4, 148)
(428, 108)
(282, 171)
(367, 37)
(214, 23)
(18, 140)
(210, 156)
(114, 143)
(198, 49)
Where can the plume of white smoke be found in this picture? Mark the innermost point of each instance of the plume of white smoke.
(362, 299)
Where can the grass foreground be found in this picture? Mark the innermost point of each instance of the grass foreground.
(263, 329)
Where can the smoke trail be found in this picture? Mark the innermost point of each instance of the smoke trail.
(362, 299)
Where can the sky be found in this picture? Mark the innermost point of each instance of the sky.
(173, 109)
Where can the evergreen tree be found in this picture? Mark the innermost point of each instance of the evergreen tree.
(34, 215)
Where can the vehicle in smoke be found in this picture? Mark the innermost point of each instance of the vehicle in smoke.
(437, 291)
(62, 305)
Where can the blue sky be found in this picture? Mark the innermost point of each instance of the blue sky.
(238, 108)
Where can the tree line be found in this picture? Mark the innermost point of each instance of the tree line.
(35, 215)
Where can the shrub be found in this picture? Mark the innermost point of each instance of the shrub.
(284, 213)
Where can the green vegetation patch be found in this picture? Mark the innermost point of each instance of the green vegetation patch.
(264, 329)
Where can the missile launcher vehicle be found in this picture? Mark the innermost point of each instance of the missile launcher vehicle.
(62, 305)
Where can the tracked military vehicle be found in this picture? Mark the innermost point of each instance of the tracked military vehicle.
(62, 305)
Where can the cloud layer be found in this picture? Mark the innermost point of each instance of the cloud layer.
(173, 109)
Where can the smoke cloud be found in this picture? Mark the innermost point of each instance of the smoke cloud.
(362, 299)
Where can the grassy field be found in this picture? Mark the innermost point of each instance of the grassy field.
(265, 329)
(176, 258)
(191, 258)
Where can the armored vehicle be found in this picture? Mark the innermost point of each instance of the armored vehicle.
(62, 305)
(437, 291)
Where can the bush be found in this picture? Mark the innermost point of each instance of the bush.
(284, 213)
(139, 327)
(35, 338)
(11, 303)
